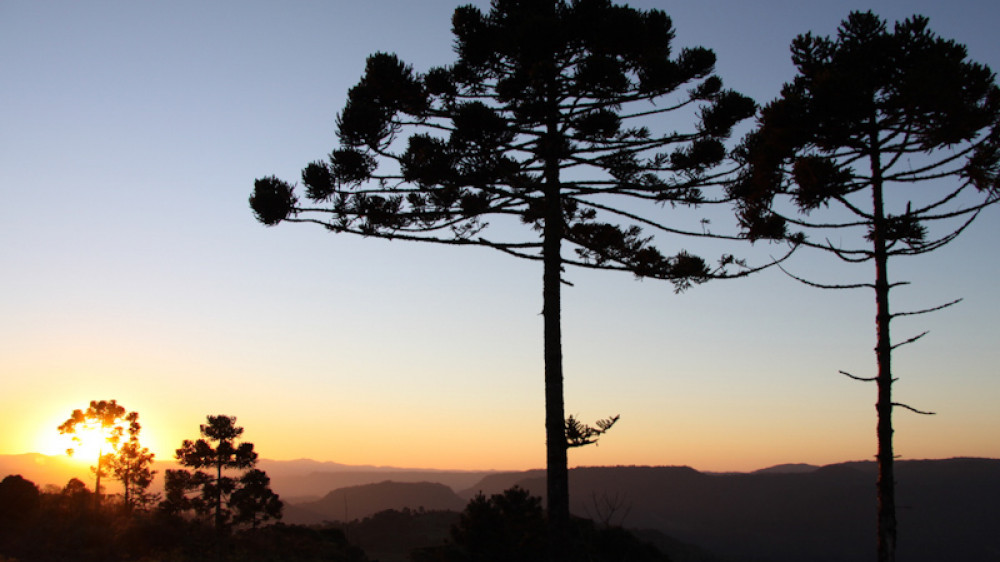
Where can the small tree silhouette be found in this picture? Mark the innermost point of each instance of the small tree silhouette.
(253, 501)
(132, 466)
(218, 494)
(870, 116)
(19, 500)
(110, 421)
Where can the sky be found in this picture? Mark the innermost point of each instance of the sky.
(133, 269)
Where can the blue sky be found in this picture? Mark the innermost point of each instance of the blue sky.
(130, 136)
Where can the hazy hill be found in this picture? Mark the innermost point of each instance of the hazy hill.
(794, 468)
(357, 502)
(296, 480)
(298, 485)
(45, 469)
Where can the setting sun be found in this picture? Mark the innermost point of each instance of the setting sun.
(100, 429)
(88, 443)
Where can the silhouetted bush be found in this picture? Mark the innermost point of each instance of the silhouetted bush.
(19, 500)
(512, 526)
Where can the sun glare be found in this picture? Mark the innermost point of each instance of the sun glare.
(91, 443)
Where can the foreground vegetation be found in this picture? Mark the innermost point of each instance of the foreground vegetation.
(64, 524)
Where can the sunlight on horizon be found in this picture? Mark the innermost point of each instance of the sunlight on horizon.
(92, 441)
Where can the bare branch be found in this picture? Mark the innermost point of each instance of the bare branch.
(911, 340)
(824, 286)
(926, 310)
(912, 409)
(862, 379)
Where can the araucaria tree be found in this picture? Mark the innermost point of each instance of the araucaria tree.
(539, 121)
(132, 465)
(216, 492)
(253, 501)
(110, 422)
(885, 144)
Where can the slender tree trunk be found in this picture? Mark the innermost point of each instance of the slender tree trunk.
(886, 485)
(127, 478)
(557, 469)
(218, 496)
(555, 419)
(97, 483)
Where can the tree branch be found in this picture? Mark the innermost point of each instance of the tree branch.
(926, 310)
(912, 409)
(825, 286)
(911, 340)
(862, 379)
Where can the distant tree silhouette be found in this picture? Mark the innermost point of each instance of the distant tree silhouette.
(132, 466)
(218, 494)
(871, 116)
(110, 420)
(507, 526)
(253, 501)
(75, 498)
(512, 526)
(19, 499)
(535, 122)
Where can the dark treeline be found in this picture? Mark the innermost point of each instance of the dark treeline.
(66, 524)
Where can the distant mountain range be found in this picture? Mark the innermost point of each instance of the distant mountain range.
(948, 509)
(295, 480)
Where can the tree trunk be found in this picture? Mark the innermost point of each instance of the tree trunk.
(886, 485)
(97, 484)
(555, 431)
(218, 496)
(557, 469)
(127, 478)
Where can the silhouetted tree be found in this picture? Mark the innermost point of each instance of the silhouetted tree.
(870, 116)
(512, 526)
(253, 501)
(75, 497)
(218, 494)
(109, 420)
(132, 466)
(19, 499)
(507, 526)
(536, 122)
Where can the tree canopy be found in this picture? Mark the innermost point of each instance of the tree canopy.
(540, 92)
(111, 422)
(246, 499)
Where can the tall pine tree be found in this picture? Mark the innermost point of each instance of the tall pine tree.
(540, 120)
(886, 144)
(218, 451)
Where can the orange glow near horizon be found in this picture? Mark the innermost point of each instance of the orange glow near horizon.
(89, 442)
(431, 444)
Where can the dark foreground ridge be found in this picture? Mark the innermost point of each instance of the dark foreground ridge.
(951, 508)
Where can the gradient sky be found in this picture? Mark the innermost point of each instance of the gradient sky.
(132, 267)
